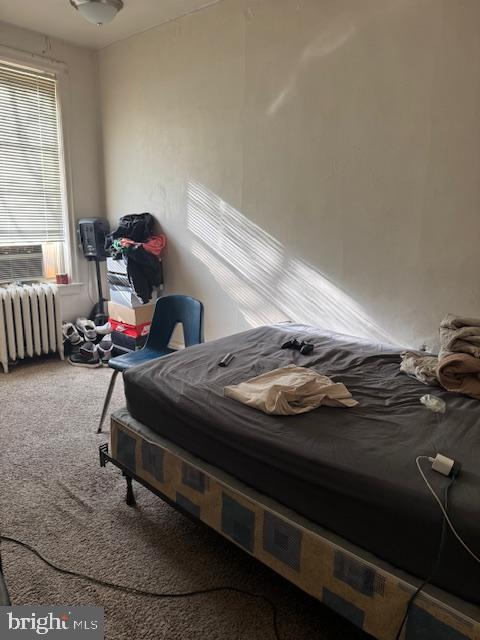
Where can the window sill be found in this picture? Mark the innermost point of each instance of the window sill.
(71, 289)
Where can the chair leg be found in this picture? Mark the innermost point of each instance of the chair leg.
(108, 397)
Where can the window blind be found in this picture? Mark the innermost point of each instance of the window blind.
(31, 203)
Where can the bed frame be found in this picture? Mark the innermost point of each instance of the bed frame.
(370, 593)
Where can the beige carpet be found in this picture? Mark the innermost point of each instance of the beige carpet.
(54, 495)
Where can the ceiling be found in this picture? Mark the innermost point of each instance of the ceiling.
(57, 18)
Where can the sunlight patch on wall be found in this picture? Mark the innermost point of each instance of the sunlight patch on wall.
(267, 284)
(332, 38)
(241, 244)
(255, 307)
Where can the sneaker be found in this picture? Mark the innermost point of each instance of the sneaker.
(70, 334)
(87, 356)
(104, 329)
(105, 349)
(87, 328)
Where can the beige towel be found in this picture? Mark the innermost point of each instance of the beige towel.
(459, 335)
(460, 372)
(290, 390)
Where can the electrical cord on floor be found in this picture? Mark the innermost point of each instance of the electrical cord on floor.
(141, 592)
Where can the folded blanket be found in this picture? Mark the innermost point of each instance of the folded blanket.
(421, 366)
(290, 390)
(460, 372)
(459, 335)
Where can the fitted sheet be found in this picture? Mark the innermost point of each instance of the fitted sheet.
(351, 470)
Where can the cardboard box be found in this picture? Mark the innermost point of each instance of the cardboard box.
(121, 291)
(134, 331)
(115, 279)
(128, 315)
(127, 296)
(117, 266)
(126, 342)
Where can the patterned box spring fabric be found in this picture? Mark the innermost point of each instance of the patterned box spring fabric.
(355, 584)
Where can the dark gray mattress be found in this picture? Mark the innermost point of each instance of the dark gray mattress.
(350, 470)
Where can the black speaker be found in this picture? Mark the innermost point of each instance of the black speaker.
(91, 236)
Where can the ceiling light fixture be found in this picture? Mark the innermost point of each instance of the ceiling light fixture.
(98, 11)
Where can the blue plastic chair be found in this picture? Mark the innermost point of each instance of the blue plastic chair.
(169, 311)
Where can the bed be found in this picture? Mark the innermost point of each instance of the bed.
(330, 499)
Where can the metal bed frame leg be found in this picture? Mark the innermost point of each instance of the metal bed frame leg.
(108, 397)
(130, 499)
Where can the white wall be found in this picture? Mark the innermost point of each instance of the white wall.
(84, 141)
(317, 160)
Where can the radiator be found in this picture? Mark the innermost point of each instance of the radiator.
(30, 322)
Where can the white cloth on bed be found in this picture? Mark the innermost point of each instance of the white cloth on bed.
(290, 390)
(420, 365)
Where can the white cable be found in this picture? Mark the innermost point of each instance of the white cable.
(445, 514)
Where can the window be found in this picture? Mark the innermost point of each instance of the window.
(32, 203)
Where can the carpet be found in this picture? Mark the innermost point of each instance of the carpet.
(54, 496)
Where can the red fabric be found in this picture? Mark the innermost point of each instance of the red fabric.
(155, 245)
(126, 242)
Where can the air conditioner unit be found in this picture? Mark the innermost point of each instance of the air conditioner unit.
(22, 263)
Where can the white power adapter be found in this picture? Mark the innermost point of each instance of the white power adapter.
(445, 466)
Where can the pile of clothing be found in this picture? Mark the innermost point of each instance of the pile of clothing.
(457, 366)
(135, 240)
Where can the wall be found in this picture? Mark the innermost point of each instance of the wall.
(83, 137)
(317, 160)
